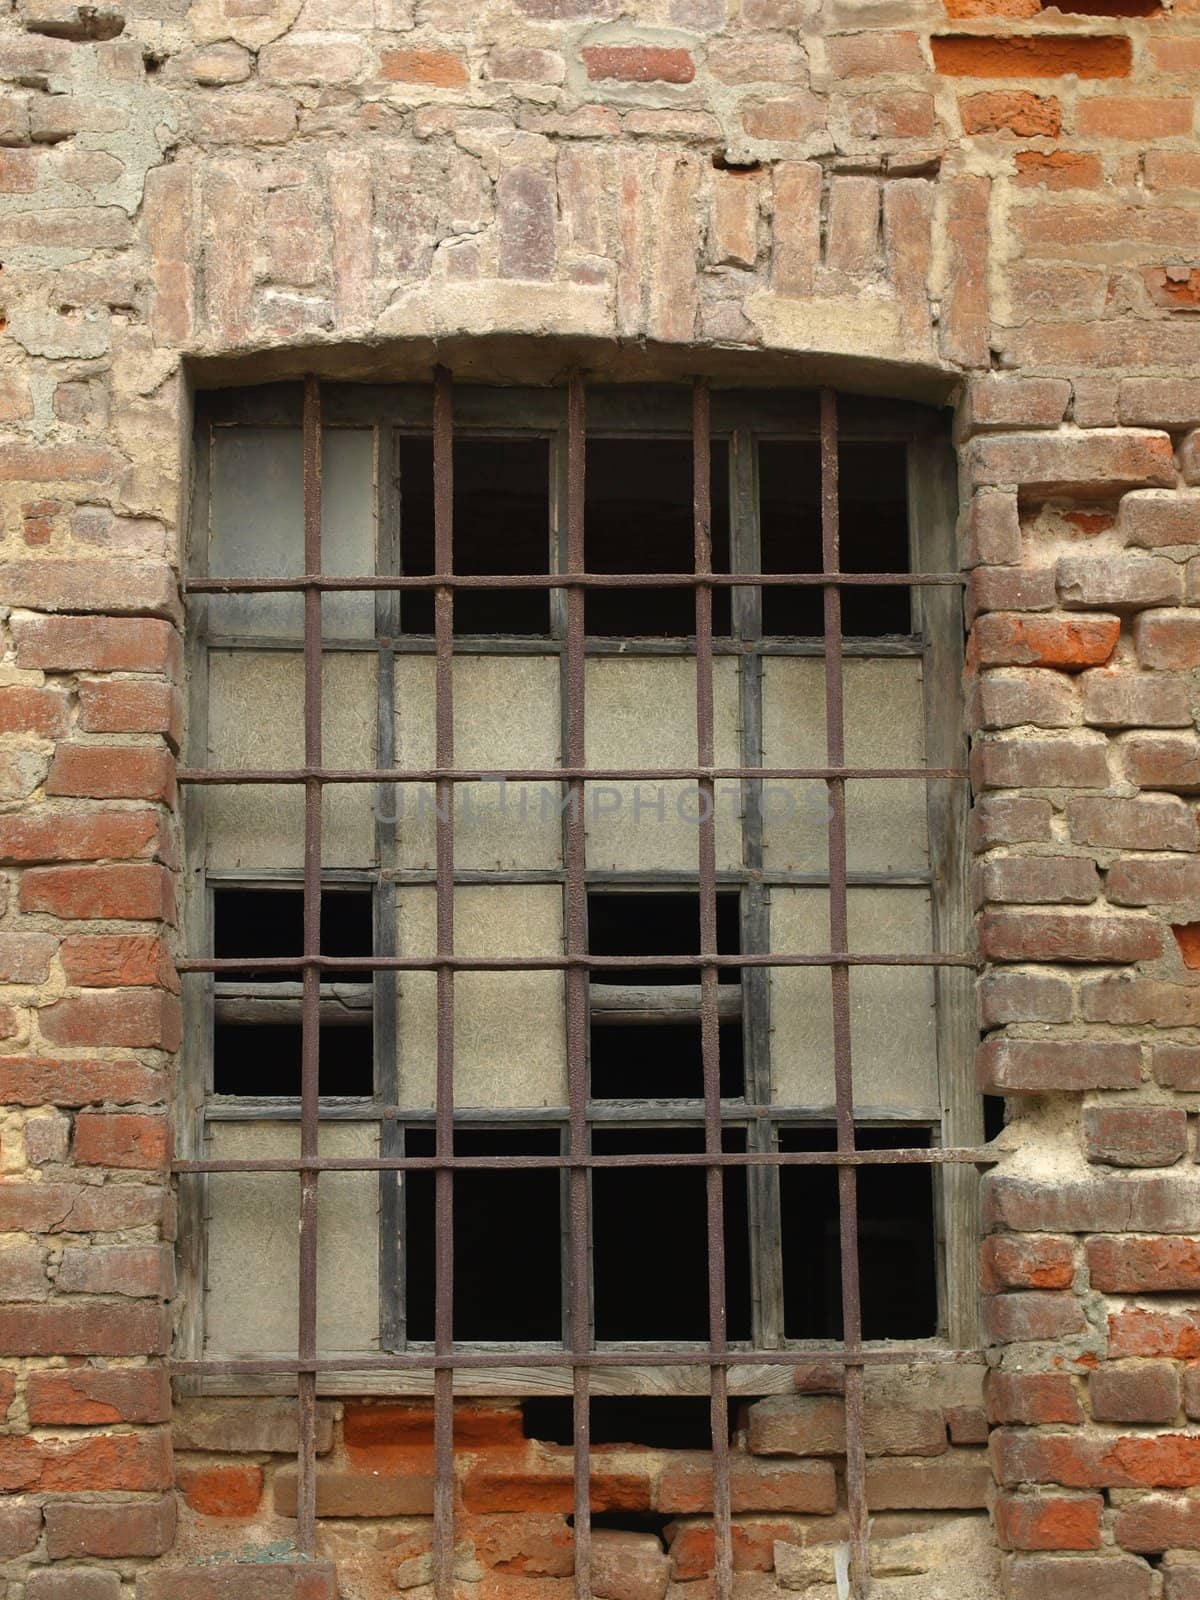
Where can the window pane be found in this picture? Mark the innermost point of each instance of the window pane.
(506, 716)
(501, 525)
(509, 1027)
(886, 823)
(639, 518)
(256, 720)
(893, 1039)
(507, 1240)
(253, 1243)
(873, 497)
(257, 528)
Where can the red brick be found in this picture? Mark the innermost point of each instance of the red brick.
(1153, 518)
(1061, 169)
(1017, 699)
(1026, 1261)
(1177, 1066)
(129, 705)
(1096, 462)
(1009, 589)
(1031, 1397)
(1096, 1204)
(105, 1329)
(1010, 639)
(1139, 882)
(125, 1461)
(1136, 1332)
(87, 1396)
(85, 1528)
(24, 709)
(1147, 1392)
(1168, 640)
(1055, 1066)
(1157, 1523)
(97, 644)
(1105, 1577)
(26, 957)
(1144, 1265)
(1058, 1522)
(638, 64)
(373, 1431)
(1029, 116)
(991, 529)
(1009, 819)
(134, 893)
(1068, 936)
(784, 121)
(1160, 403)
(139, 1271)
(1001, 761)
(1117, 583)
(122, 1139)
(1182, 1581)
(1140, 120)
(435, 68)
(1082, 1461)
(112, 772)
(229, 1489)
(101, 961)
(1160, 823)
(20, 1529)
(686, 1485)
(1135, 1136)
(1033, 1314)
(1011, 996)
(132, 1018)
(1163, 761)
(86, 583)
(81, 836)
(1135, 700)
(873, 54)
(371, 1494)
(692, 1545)
(32, 1081)
(1032, 56)
(1039, 880)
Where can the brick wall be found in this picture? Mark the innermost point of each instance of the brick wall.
(983, 202)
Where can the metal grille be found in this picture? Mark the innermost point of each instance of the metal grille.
(578, 1160)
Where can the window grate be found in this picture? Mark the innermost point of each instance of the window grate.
(578, 1160)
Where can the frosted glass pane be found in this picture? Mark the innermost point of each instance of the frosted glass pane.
(256, 719)
(256, 527)
(886, 828)
(505, 716)
(642, 713)
(893, 1043)
(509, 1027)
(254, 1251)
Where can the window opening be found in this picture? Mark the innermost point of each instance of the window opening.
(656, 1422)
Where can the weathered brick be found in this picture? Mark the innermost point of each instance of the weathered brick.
(1099, 1204)
(1160, 402)
(439, 69)
(122, 1139)
(1125, 700)
(1158, 823)
(1079, 1578)
(85, 1528)
(26, 957)
(84, 583)
(996, 401)
(239, 1580)
(1163, 761)
(81, 836)
(1135, 1136)
(97, 644)
(74, 1583)
(112, 772)
(1032, 1314)
(1010, 996)
(1138, 881)
(1078, 761)
(20, 1528)
(1009, 819)
(1009, 589)
(1137, 120)
(1125, 998)
(133, 1018)
(1177, 1066)
(1018, 699)
(1095, 463)
(1011, 639)
(1031, 1397)
(1039, 880)
(246, 1427)
(1144, 1265)
(638, 64)
(1168, 640)
(1052, 1066)
(1118, 583)
(87, 1396)
(1026, 1261)
(1016, 111)
(135, 893)
(958, 1481)
(115, 960)
(1078, 1460)
(34, 1081)
(137, 1271)
(686, 1485)
(24, 709)
(990, 529)
(83, 1330)
(1068, 936)
(1154, 518)
(1146, 1392)
(1048, 1522)
(230, 1489)
(127, 705)
(815, 1425)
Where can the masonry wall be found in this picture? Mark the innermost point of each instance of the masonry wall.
(987, 204)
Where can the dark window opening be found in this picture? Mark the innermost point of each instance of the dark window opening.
(650, 1239)
(656, 1422)
(635, 1059)
(264, 1060)
(270, 922)
(873, 535)
(993, 1116)
(897, 1243)
(507, 1240)
(501, 525)
(638, 518)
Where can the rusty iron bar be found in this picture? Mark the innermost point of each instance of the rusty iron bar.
(443, 622)
(587, 580)
(920, 1156)
(710, 1044)
(579, 1142)
(835, 752)
(565, 774)
(493, 1360)
(825, 958)
(310, 1012)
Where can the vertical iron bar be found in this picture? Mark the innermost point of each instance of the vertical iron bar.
(310, 1013)
(710, 1043)
(835, 744)
(443, 627)
(576, 930)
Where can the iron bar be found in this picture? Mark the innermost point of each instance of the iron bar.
(564, 774)
(920, 1156)
(835, 750)
(579, 1143)
(749, 958)
(710, 1045)
(310, 1018)
(443, 619)
(584, 580)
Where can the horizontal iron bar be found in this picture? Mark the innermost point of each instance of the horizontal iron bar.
(578, 580)
(376, 775)
(836, 958)
(926, 1157)
(423, 1360)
